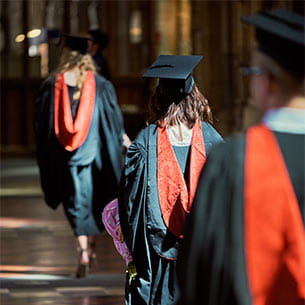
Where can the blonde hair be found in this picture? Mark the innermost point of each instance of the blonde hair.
(73, 59)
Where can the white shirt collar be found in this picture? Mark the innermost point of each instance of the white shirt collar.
(174, 135)
(288, 120)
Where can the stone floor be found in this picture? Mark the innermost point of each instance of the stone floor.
(37, 249)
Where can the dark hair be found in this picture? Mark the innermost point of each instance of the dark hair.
(99, 37)
(165, 111)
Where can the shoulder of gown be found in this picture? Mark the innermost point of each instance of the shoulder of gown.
(211, 136)
(108, 104)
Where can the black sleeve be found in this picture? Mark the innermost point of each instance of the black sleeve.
(211, 265)
(42, 112)
(133, 193)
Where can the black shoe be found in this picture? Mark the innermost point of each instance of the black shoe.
(83, 268)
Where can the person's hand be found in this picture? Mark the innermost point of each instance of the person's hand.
(126, 141)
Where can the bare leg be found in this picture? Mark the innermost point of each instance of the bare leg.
(83, 263)
(92, 244)
(82, 244)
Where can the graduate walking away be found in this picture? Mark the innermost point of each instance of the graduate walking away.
(160, 176)
(79, 133)
(246, 240)
(97, 43)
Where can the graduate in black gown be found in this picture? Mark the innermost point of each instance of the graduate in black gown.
(245, 243)
(159, 179)
(79, 134)
(98, 42)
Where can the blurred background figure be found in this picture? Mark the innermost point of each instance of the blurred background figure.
(139, 30)
(245, 243)
(97, 43)
(79, 133)
(160, 176)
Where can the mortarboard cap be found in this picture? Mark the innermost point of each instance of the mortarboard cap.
(76, 43)
(280, 35)
(174, 71)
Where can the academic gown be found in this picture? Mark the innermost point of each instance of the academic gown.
(212, 264)
(102, 66)
(154, 248)
(88, 177)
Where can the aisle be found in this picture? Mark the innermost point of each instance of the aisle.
(37, 254)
